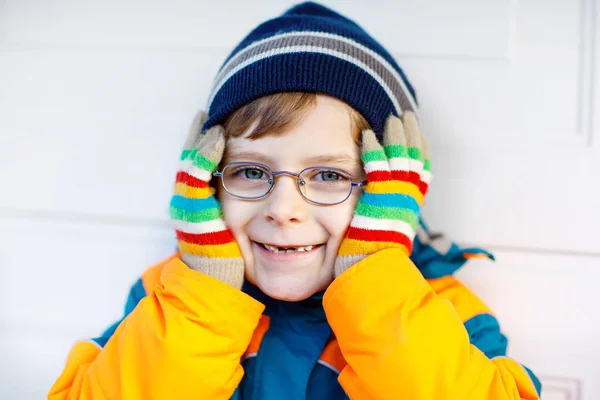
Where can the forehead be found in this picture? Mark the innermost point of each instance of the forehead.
(325, 129)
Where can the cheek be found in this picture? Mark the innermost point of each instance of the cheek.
(336, 219)
(236, 213)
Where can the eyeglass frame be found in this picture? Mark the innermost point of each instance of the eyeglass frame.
(275, 174)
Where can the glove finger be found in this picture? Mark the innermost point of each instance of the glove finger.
(199, 159)
(374, 158)
(393, 133)
(195, 131)
(426, 175)
(203, 160)
(413, 139)
(211, 146)
(396, 150)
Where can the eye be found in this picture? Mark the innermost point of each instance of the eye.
(253, 173)
(245, 173)
(319, 175)
(328, 176)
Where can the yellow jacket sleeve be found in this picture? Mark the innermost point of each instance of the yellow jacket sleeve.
(184, 340)
(400, 338)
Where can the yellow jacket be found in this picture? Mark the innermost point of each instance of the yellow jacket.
(389, 333)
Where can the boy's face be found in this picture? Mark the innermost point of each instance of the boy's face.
(324, 137)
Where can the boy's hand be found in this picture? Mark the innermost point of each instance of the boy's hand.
(205, 242)
(398, 176)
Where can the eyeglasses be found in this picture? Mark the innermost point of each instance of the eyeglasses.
(318, 185)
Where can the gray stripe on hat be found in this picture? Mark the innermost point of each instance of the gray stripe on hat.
(328, 42)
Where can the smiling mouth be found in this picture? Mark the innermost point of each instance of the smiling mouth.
(288, 249)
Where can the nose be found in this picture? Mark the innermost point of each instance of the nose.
(285, 205)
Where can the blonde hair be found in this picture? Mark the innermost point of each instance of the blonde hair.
(275, 114)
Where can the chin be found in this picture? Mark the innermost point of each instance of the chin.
(287, 294)
(290, 289)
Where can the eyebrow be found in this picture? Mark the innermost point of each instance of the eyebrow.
(316, 160)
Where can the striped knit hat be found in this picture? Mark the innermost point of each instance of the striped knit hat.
(311, 48)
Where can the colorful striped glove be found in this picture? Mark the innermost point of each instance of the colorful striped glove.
(398, 176)
(205, 242)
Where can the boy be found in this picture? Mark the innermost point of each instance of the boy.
(317, 280)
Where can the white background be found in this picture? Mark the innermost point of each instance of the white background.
(96, 97)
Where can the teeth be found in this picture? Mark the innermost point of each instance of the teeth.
(287, 251)
(271, 248)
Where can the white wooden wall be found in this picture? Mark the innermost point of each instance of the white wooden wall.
(96, 97)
